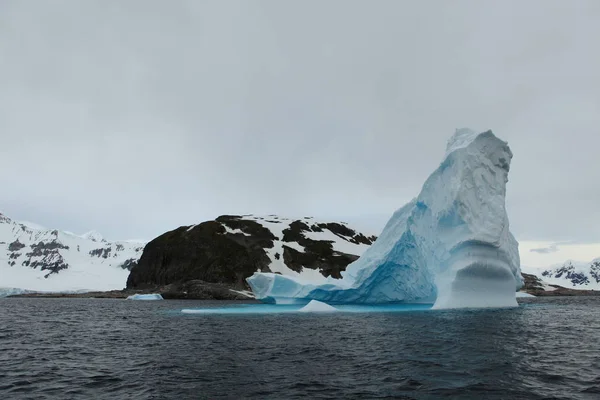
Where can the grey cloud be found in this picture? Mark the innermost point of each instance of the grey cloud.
(135, 117)
(545, 250)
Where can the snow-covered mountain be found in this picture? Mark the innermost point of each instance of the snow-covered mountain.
(574, 274)
(34, 258)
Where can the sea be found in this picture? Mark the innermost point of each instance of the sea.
(547, 348)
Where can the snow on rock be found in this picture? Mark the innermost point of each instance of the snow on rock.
(451, 245)
(341, 238)
(235, 231)
(151, 296)
(57, 261)
(574, 275)
(533, 282)
(317, 306)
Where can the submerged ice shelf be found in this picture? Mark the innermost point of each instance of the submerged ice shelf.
(450, 246)
(149, 296)
(303, 310)
(315, 307)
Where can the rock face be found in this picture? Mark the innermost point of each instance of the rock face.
(451, 245)
(51, 260)
(231, 248)
(538, 287)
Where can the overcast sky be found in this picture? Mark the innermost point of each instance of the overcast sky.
(135, 117)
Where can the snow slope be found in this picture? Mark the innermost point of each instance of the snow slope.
(573, 274)
(451, 244)
(37, 259)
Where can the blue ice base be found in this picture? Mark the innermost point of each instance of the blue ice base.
(295, 308)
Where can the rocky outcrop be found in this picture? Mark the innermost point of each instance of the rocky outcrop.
(231, 248)
(531, 283)
(203, 252)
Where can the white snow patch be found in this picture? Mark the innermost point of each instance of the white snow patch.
(312, 275)
(339, 244)
(235, 231)
(295, 245)
(246, 293)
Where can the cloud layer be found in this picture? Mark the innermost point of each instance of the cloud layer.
(136, 117)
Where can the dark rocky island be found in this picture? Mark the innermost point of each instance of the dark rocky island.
(212, 260)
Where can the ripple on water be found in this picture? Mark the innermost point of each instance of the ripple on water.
(111, 349)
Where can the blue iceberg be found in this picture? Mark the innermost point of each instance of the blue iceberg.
(450, 246)
(150, 296)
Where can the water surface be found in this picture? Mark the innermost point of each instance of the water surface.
(113, 349)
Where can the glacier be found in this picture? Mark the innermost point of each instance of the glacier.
(450, 246)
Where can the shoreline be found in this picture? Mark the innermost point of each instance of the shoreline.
(169, 295)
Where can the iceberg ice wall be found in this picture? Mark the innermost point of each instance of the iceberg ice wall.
(451, 245)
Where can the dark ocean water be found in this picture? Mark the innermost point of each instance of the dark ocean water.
(117, 349)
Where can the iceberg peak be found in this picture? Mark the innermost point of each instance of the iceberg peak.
(462, 138)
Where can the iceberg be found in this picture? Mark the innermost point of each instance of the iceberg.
(450, 246)
(317, 306)
(151, 296)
